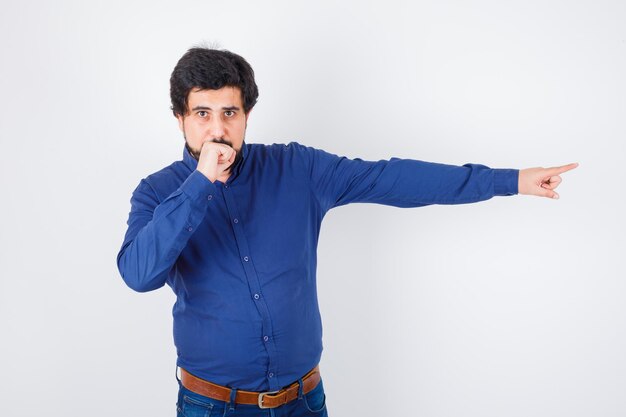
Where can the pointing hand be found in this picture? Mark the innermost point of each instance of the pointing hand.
(542, 181)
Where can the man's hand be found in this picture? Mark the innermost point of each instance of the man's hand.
(542, 181)
(215, 158)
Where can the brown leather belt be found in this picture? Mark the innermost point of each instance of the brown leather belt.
(268, 399)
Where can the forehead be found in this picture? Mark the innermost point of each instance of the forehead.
(225, 96)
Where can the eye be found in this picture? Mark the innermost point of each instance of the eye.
(202, 113)
(232, 113)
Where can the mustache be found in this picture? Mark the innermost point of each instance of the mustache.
(222, 140)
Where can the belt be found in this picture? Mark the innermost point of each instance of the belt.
(267, 399)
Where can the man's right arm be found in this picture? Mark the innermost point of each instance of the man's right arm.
(158, 232)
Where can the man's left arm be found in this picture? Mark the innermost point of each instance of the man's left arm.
(338, 180)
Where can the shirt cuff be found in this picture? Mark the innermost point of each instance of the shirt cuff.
(505, 181)
(198, 187)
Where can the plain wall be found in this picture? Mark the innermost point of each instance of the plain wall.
(508, 307)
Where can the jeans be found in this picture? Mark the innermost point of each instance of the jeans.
(190, 404)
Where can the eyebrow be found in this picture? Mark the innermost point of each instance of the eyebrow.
(208, 108)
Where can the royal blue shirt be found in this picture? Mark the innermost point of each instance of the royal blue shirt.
(241, 255)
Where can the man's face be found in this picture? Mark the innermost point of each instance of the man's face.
(216, 116)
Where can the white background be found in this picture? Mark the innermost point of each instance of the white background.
(508, 307)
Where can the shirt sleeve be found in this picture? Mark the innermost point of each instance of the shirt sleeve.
(158, 231)
(338, 180)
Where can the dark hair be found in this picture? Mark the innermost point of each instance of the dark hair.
(209, 68)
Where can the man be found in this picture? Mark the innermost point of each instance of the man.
(233, 227)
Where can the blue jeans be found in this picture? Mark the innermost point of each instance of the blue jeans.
(190, 404)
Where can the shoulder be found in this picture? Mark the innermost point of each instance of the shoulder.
(284, 151)
(276, 148)
(167, 179)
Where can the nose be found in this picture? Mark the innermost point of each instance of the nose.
(216, 127)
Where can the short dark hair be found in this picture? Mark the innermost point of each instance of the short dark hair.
(212, 69)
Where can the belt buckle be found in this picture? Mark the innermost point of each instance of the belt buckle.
(261, 394)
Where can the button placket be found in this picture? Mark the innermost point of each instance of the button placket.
(255, 288)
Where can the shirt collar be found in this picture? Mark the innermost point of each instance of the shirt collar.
(192, 164)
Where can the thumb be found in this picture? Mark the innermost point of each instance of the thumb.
(545, 191)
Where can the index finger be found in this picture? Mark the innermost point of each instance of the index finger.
(562, 168)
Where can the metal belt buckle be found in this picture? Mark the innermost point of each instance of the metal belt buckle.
(261, 394)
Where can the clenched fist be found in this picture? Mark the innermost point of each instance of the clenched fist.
(214, 160)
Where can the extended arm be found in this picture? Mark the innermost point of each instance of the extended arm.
(338, 180)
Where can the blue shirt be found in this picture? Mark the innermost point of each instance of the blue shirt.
(241, 255)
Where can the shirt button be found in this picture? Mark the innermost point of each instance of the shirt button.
(271, 374)
(256, 296)
(266, 338)
(225, 186)
(245, 258)
(236, 221)
(209, 197)
(190, 228)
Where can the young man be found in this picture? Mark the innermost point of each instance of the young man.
(233, 227)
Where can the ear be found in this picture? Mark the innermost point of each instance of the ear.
(180, 123)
